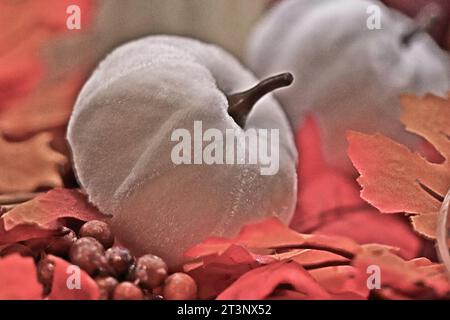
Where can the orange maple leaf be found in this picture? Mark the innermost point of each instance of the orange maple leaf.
(395, 179)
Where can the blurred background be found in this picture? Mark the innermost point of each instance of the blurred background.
(43, 64)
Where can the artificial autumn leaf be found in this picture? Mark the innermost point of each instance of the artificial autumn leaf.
(260, 283)
(415, 279)
(18, 278)
(270, 235)
(216, 272)
(322, 189)
(329, 202)
(213, 273)
(218, 262)
(23, 232)
(45, 211)
(310, 258)
(395, 179)
(30, 164)
(368, 226)
(341, 282)
(87, 290)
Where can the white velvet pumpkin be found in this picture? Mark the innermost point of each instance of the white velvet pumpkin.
(346, 74)
(120, 136)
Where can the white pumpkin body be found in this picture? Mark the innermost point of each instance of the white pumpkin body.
(347, 75)
(120, 136)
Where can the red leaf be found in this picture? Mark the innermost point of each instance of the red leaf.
(18, 279)
(341, 282)
(271, 234)
(22, 233)
(218, 261)
(329, 202)
(261, 283)
(310, 259)
(217, 272)
(45, 210)
(363, 226)
(88, 289)
(41, 217)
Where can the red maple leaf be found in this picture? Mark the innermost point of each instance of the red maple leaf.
(329, 202)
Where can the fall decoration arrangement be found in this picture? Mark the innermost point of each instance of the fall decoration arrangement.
(94, 206)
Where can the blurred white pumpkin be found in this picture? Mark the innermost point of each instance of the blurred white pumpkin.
(347, 74)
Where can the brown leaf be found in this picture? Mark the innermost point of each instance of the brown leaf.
(29, 164)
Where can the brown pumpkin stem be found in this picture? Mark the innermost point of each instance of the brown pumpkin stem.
(241, 103)
(426, 20)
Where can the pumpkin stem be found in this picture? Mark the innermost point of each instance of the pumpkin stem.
(426, 20)
(241, 103)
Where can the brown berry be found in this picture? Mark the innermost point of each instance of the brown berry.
(119, 260)
(45, 271)
(88, 254)
(180, 286)
(127, 291)
(106, 286)
(60, 246)
(98, 230)
(150, 271)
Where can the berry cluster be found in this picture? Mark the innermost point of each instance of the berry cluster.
(119, 275)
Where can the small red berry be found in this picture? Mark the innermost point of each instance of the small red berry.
(98, 230)
(150, 271)
(127, 291)
(88, 254)
(119, 260)
(180, 286)
(107, 285)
